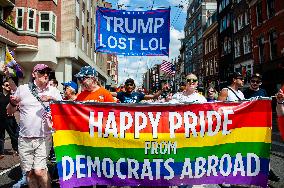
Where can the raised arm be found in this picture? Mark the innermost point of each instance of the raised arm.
(11, 82)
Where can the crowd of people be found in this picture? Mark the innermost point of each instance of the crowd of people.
(32, 139)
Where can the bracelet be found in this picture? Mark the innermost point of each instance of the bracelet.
(13, 104)
(280, 102)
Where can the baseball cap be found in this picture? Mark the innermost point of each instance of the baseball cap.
(86, 71)
(129, 81)
(237, 75)
(256, 75)
(71, 84)
(40, 67)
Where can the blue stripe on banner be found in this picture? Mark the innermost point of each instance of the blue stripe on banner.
(177, 167)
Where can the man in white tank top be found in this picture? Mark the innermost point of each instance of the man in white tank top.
(232, 92)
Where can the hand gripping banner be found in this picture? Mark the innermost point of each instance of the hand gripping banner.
(162, 145)
(133, 33)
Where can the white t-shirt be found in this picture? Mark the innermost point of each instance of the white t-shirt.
(31, 111)
(232, 96)
(181, 98)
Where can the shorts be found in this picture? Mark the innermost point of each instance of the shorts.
(34, 152)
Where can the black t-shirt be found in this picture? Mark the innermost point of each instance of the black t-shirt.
(4, 101)
(248, 93)
(134, 97)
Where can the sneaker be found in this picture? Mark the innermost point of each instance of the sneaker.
(21, 182)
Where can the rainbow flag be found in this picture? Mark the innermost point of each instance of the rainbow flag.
(162, 145)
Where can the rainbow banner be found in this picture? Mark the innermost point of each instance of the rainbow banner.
(162, 145)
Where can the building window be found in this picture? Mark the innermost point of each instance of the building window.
(270, 8)
(199, 34)
(259, 13)
(47, 22)
(246, 18)
(216, 65)
(31, 19)
(83, 18)
(261, 49)
(1, 13)
(273, 44)
(237, 48)
(215, 40)
(235, 26)
(246, 44)
(211, 67)
(19, 18)
(240, 22)
(200, 49)
(77, 7)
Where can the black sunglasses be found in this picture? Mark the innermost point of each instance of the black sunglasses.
(6, 85)
(191, 80)
(84, 78)
(44, 71)
(255, 81)
(129, 84)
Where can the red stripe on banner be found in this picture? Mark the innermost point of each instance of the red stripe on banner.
(76, 116)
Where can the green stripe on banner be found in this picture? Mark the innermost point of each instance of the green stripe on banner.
(261, 149)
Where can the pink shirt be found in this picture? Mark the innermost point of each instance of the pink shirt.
(31, 111)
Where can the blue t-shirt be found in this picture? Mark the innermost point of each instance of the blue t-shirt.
(134, 97)
(248, 93)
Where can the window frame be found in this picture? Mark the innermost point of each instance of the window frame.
(28, 19)
(258, 17)
(50, 22)
(271, 34)
(16, 19)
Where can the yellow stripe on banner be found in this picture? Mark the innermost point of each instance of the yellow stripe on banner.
(245, 134)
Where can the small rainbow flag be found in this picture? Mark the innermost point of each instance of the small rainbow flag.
(162, 145)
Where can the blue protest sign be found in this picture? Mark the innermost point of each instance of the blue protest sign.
(133, 33)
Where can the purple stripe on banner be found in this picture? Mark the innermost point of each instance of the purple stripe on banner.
(259, 180)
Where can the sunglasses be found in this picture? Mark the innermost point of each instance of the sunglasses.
(255, 81)
(6, 85)
(44, 71)
(191, 80)
(129, 84)
(84, 78)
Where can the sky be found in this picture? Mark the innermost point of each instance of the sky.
(135, 67)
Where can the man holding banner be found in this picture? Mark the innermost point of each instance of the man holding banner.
(91, 90)
(34, 141)
(129, 96)
(189, 94)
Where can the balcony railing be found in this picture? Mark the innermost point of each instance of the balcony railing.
(8, 26)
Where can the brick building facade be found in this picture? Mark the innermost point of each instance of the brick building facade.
(267, 18)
